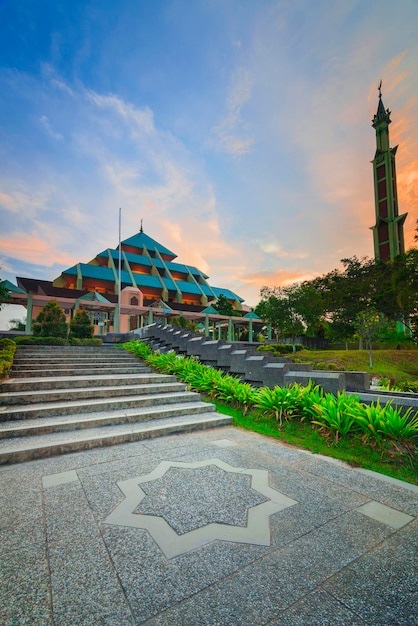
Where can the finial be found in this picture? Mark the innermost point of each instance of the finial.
(380, 88)
(141, 229)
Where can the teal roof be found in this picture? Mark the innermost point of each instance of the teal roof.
(11, 288)
(227, 293)
(138, 241)
(251, 316)
(186, 287)
(94, 296)
(143, 259)
(210, 310)
(141, 239)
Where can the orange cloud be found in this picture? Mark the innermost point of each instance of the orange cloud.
(33, 249)
(6, 199)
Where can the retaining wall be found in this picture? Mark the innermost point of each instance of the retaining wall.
(260, 369)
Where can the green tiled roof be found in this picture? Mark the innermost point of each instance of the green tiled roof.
(94, 296)
(138, 241)
(11, 288)
(228, 293)
(251, 316)
(141, 239)
(210, 310)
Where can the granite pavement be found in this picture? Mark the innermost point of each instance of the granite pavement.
(215, 528)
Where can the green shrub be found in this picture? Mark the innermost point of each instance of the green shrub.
(42, 341)
(279, 349)
(81, 326)
(89, 341)
(323, 365)
(336, 414)
(343, 415)
(410, 386)
(7, 344)
(279, 402)
(7, 352)
(51, 322)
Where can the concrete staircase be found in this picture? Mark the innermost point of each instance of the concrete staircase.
(65, 399)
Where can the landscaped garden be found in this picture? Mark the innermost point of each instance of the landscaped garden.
(379, 437)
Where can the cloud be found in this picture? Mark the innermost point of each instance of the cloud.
(274, 248)
(143, 118)
(34, 248)
(47, 126)
(227, 134)
(23, 200)
(6, 201)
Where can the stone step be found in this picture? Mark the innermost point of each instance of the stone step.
(53, 409)
(83, 393)
(32, 348)
(79, 421)
(80, 371)
(72, 363)
(67, 399)
(75, 358)
(19, 449)
(14, 385)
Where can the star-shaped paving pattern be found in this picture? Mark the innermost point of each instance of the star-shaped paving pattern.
(189, 498)
(186, 505)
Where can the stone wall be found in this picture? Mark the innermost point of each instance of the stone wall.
(258, 368)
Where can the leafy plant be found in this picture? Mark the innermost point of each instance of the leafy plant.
(279, 402)
(311, 395)
(244, 396)
(370, 418)
(399, 426)
(334, 414)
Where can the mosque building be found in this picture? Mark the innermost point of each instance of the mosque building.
(151, 282)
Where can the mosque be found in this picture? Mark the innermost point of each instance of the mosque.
(120, 287)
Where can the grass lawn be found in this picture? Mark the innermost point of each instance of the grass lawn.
(398, 365)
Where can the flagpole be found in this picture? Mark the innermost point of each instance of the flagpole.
(119, 267)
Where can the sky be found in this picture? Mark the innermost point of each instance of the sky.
(238, 130)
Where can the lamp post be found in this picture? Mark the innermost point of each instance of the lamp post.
(119, 272)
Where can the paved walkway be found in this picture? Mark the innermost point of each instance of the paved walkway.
(221, 527)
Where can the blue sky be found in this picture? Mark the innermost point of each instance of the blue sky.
(239, 130)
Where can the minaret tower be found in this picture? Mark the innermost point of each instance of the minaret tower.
(388, 234)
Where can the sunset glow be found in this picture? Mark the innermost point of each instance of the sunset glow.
(240, 132)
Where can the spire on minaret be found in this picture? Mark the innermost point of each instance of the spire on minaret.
(382, 115)
(141, 229)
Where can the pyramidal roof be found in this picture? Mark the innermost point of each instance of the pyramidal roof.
(141, 240)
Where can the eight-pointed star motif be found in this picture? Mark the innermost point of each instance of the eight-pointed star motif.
(258, 504)
(188, 498)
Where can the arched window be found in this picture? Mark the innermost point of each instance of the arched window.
(134, 301)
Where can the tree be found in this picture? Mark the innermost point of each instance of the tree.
(278, 307)
(310, 307)
(17, 324)
(405, 285)
(368, 325)
(51, 322)
(4, 293)
(81, 326)
(223, 306)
